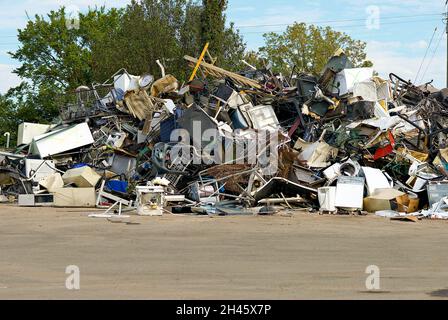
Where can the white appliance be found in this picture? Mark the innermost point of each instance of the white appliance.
(327, 198)
(39, 169)
(150, 200)
(350, 193)
(347, 78)
(27, 131)
(375, 179)
(126, 82)
(61, 140)
(262, 117)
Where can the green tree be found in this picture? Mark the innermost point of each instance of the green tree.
(253, 58)
(166, 30)
(234, 49)
(56, 59)
(213, 27)
(225, 43)
(22, 104)
(309, 47)
(150, 30)
(60, 57)
(6, 120)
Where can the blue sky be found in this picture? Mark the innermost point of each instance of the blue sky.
(397, 44)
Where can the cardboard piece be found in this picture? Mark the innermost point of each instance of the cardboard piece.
(382, 199)
(83, 177)
(408, 204)
(75, 197)
(405, 218)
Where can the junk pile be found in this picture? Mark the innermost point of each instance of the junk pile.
(250, 142)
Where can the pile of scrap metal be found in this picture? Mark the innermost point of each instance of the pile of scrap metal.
(230, 143)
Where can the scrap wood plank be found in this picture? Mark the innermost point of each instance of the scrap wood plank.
(405, 218)
(219, 72)
(139, 104)
(198, 62)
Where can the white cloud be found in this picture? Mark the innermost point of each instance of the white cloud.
(421, 44)
(388, 60)
(7, 78)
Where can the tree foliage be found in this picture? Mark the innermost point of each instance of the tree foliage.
(55, 60)
(19, 105)
(150, 30)
(59, 57)
(166, 30)
(308, 48)
(6, 120)
(213, 24)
